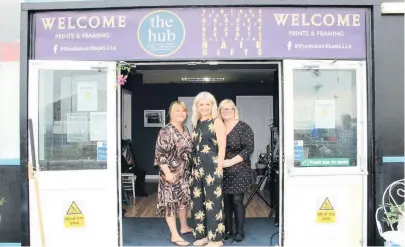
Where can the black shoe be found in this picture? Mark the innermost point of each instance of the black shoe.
(238, 238)
(227, 235)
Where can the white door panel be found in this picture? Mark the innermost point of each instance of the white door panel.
(73, 107)
(325, 150)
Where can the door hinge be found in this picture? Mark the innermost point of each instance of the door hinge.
(283, 158)
(362, 242)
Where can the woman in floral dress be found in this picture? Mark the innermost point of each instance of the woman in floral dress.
(172, 157)
(209, 142)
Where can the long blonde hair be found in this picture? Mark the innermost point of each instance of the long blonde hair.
(227, 101)
(203, 96)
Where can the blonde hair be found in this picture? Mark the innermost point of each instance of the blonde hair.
(203, 96)
(174, 105)
(228, 101)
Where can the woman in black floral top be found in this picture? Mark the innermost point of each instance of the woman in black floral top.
(237, 171)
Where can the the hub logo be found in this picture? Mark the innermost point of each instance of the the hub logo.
(161, 33)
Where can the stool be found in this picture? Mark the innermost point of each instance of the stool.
(128, 183)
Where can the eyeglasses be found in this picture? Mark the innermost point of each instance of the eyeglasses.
(227, 109)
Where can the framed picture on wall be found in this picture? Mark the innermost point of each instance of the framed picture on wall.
(154, 118)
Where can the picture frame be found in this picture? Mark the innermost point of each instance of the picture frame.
(154, 118)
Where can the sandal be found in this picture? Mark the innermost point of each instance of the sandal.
(186, 233)
(180, 241)
(215, 244)
(201, 242)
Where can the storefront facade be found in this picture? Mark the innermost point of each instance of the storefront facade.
(358, 34)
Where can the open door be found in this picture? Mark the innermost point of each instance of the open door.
(325, 150)
(74, 109)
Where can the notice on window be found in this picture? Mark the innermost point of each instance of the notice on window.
(87, 96)
(303, 114)
(76, 127)
(98, 126)
(101, 151)
(325, 162)
(325, 117)
(298, 149)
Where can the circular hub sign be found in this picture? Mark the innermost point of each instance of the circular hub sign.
(161, 33)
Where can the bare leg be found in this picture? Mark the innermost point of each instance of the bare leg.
(171, 222)
(184, 228)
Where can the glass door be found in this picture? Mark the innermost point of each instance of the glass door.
(325, 150)
(73, 108)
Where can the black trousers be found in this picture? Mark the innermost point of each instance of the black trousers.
(234, 206)
(207, 204)
(140, 180)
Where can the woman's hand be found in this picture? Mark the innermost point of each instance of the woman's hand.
(228, 163)
(219, 171)
(170, 178)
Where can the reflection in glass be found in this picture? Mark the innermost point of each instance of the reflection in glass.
(72, 119)
(325, 117)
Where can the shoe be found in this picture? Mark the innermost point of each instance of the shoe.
(227, 235)
(181, 243)
(215, 244)
(201, 242)
(238, 238)
(186, 233)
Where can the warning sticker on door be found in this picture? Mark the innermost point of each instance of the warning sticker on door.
(74, 217)
(326, 213)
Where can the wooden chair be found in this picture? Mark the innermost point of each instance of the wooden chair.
(128, 183)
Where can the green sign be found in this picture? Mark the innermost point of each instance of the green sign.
(325, 162)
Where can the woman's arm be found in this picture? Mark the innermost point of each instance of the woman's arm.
(164, 144)
(221, 139)
(248, 144)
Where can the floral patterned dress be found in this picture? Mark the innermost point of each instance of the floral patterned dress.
(174, 150)
(207, 199)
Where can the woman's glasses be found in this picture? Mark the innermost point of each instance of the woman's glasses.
(227, 109)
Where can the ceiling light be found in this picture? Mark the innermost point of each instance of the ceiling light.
(202, 79)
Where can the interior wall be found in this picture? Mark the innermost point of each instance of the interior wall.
(159, 97)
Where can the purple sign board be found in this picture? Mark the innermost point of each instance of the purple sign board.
(201, 34)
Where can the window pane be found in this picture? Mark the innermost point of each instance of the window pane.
(325, 117)
(72, 120)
